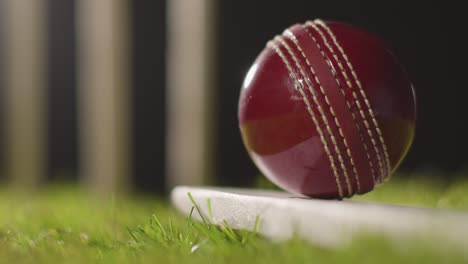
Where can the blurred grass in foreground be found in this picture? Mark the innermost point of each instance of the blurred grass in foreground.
(62, 224)
(417, 190)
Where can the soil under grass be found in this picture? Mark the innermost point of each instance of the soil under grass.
(62, 224)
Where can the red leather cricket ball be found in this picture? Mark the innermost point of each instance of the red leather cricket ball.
(326, 110)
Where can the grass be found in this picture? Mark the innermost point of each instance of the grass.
(62, 224)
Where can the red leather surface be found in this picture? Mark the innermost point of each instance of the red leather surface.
(303, 126)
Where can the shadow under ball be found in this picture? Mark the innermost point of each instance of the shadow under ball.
(326, 110)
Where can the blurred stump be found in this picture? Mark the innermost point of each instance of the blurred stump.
(103, 87)
(190, 99)
(25, 91)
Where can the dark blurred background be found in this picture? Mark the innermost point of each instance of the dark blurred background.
(425, 36)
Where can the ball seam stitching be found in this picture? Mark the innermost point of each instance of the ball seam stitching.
(293, 75)
(312, 90)
(363, 94)
(348, 82)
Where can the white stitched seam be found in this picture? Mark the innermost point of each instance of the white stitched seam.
(309, 109)
(314, 96)
(348, 82)
(362, 92)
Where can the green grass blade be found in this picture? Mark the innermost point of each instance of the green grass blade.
(200, 213)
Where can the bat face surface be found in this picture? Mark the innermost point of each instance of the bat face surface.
(326, 110)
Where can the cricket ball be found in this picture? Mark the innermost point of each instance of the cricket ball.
(326, 110)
